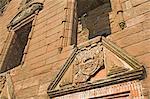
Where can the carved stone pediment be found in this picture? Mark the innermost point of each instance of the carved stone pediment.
(26, 12)
(87, 62)
(93, 64)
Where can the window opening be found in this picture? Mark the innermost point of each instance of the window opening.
(17, 46)
(92, 19)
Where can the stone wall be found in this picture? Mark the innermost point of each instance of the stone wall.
(135, 38)
(126, 90)
(43, 59)
(49, 45)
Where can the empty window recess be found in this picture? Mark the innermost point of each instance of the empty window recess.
(95, 17)
(91, 19)
(17, 46)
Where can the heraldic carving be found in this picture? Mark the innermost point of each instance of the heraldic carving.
(87, 62)
(94, 64)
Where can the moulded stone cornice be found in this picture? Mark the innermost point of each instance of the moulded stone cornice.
(138, 74)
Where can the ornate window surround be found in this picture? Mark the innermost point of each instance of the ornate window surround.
(23, 17)
(138, 73)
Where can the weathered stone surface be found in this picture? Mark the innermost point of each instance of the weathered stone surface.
(43, 60)
(89, 59)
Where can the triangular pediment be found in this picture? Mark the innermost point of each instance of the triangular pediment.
(97, 61)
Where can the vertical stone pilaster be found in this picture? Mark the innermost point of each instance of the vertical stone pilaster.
(122, 23)
(68, 21)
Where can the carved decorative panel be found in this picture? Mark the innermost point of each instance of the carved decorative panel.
(96, 57)
(87, 62)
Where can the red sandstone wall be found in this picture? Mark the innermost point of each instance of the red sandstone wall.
(135, 38)
(11, 10)
(43, 60)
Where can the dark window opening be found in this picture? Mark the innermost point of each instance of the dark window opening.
(16, 49)
(3, 4)
(92, 19)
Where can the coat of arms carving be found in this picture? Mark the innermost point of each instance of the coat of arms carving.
(87, 62)
(95, 64)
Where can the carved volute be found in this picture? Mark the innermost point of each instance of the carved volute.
(87, 62)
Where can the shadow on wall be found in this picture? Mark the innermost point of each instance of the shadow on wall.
(93, 19)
